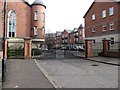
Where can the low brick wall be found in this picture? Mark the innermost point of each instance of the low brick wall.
(112, 54)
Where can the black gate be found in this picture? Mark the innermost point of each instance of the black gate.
(15, 50)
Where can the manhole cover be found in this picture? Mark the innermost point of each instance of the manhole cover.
(94, 65)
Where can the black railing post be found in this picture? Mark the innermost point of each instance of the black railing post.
(4, 45)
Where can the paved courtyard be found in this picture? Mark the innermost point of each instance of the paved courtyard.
(79, 73)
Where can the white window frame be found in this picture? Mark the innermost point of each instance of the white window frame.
(93, 17)
(104, 26)
(111, 25)
(35, 15)
(35, 30)
(12, 31)
(104, 13)
(93, 29)
(43, 17)
(112, 39)
(111, 11)
(80, 32)
(43, 31)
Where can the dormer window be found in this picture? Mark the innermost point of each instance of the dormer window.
(35, 15)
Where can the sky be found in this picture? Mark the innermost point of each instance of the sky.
(64, 14)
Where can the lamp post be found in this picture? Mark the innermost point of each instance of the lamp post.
(4, 45)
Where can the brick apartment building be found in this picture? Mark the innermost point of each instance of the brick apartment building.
(77, 36)
(50, 39)
(102, 21)
(58, 39)
(24, 21)
(66, 37)
(69, 38)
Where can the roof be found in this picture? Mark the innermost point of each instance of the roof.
(68, 30)
(39, 2)
(88, 10)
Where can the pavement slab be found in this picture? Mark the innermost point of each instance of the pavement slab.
(25, 74)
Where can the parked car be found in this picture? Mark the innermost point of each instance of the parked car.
(77, 48)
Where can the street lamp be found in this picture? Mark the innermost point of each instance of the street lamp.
(4, 45)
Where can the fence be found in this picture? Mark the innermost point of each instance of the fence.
(115, 47)
(97, 48)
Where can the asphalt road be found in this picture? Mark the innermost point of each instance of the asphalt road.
(55, 54)
(79, 73)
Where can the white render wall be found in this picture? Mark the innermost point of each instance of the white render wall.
(99, 45)
(100, 38)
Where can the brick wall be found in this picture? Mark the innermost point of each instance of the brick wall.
(23, 18)
(96, 8)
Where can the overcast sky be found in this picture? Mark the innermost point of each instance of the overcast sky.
(65, 14)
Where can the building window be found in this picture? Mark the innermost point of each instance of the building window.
(93, 17)
(111, 25)
(103, 13)
(111, 11)
(35, 15)
(43, 31)
(35, 30)
(43, 17)
(112, 41)
(93, 41)
(104, 27)
(80, 32)
(11, 24)
(93, 29)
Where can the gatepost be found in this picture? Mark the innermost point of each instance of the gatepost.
(27, 48)
(88, 48)
(106, 47)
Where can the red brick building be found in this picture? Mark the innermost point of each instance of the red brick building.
(50, 39)
(102, 21)
(69, 38)
(58, 40)
(25, 21)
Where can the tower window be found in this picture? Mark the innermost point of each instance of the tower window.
(35, 30)
(43, 17)
(35, 15)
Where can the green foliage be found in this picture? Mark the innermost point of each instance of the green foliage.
(16, 52)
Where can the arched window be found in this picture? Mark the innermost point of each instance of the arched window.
(11, 24)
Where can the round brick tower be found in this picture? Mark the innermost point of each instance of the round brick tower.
(38, 21)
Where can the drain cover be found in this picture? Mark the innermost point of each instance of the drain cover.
(94, 65)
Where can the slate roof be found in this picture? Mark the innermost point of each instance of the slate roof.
(39, 2)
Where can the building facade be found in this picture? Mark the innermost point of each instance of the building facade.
(69, 38)
(102, 21)
(25, 21)
(99, 22)
(50, 39)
